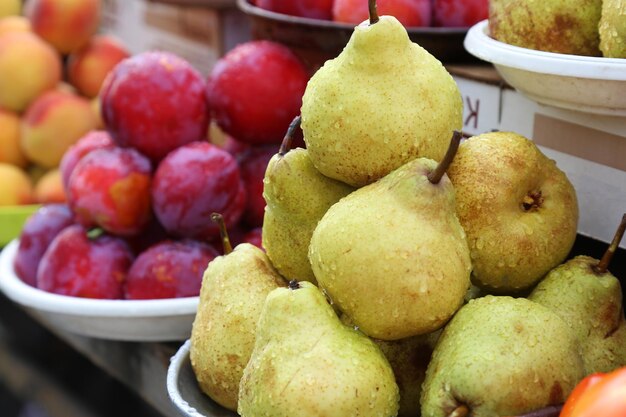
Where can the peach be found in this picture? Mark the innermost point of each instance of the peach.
(95, 107)
(14, 24)
(66, 88)
(15, 186)
(53, 123)
(49, 189)
(28, 67)
(10, 151)
(87, 68)
(10, 8)
(65, 24)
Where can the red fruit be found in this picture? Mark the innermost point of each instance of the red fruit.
(255, 91)
(37, 234)
(598, 395)
(152, 234)
(411, 13)
(96, 139)
(110, 188)
(254, 236)
(314, 9)
(190, 184)
(155, 103)
(79, 266)
(169, 270)
(253, 166)
(459, 13)
(88, 67)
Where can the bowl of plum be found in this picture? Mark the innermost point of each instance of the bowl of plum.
(114, 319)
(318, 30)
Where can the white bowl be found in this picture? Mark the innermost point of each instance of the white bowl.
(184, 392)
(129, 320)
(588, 84)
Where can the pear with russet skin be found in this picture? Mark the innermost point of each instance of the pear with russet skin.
(381, 103)
(408, 359)
(612, 29)
(588, 298)
(561, 26)
(233, 292)
(501, 356)
(297, 197)
(518, 208)
(392, 255)
(307, 363)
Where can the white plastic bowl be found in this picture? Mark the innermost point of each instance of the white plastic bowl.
(184, 391)
(129, 320)
(587, 84)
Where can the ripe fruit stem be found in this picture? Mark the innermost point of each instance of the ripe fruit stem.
(373, 12)
(285, 146)
(460, 411)
(603, 265)
(219, 219)
(549, 411)
(435, 176)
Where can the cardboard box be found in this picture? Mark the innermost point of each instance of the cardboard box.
(198, 31)
(589, 148)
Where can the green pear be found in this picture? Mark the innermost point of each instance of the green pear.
(297, 197)
(518, 209)
(234, 288)
(612, 29)
(501, 356)
(408, 359)
(392, 255)
(381, 103)
(562, 26)
(589, 299)
(306, 363)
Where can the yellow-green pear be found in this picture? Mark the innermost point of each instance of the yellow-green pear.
(234, 288)
(307, 363)
(297, 196)
(501, 356)
(409, 359)
(589, 299)
(381, 103)
(562, 26)
(392, 255)
(612, 29)
(518, 208)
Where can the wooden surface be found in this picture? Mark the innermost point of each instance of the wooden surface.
(482, 73)
(142, 367)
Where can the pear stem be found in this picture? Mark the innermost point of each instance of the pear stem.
(435, 176)
(219, 219)
(373, 11)
(603, 266)
(285, 146)
(460, 411)
(549, 411)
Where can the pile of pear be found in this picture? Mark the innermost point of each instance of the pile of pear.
(406, 271)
